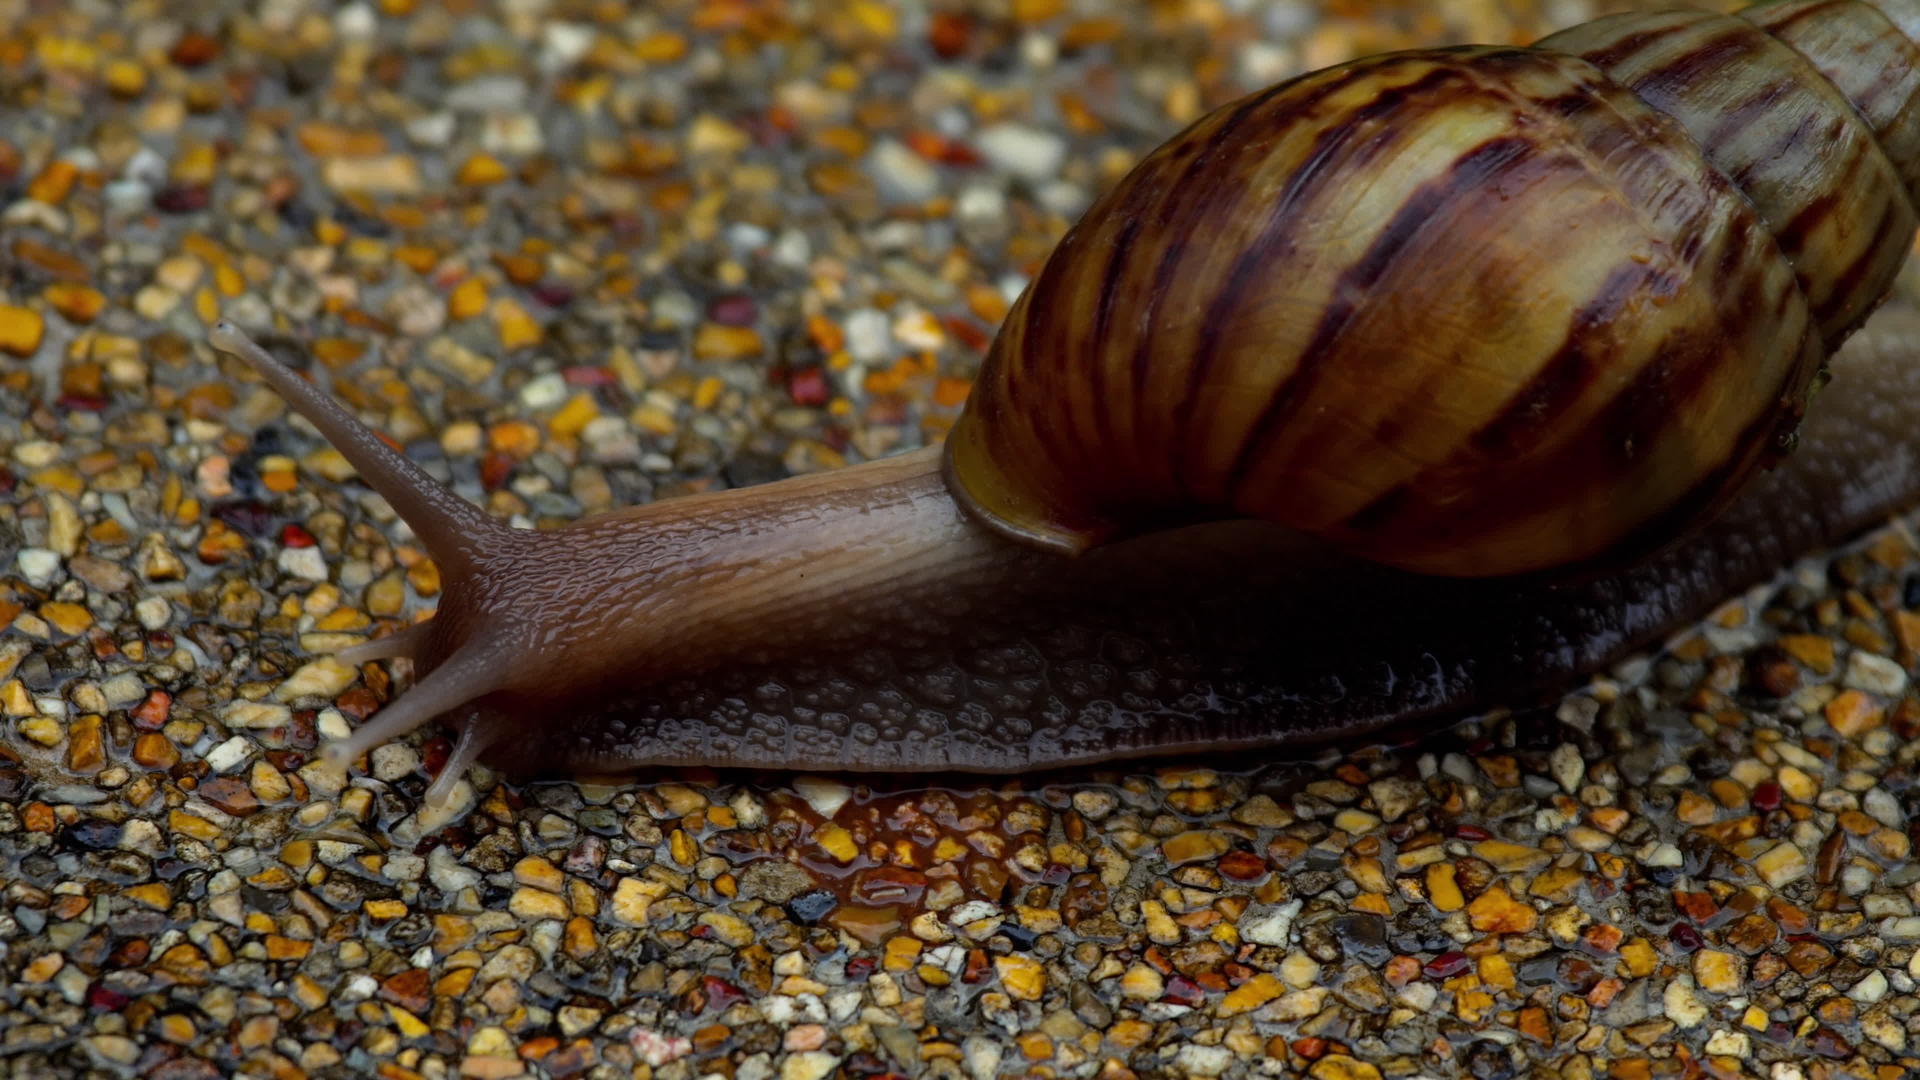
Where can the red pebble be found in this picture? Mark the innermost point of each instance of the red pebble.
(808, 386)
(1184, 991)
(154, 711)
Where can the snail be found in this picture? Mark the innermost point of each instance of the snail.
(1404, 386)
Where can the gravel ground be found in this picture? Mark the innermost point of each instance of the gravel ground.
(575, 257)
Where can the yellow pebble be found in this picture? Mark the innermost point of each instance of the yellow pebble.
(574, 416)
(517, 328)
(469, 299)
(837, 842)
(53, 183)
(481, 170)
(126, 78)
(67, 618)
(516, 438)
(196, 165)
(20, 330)
(78, 303)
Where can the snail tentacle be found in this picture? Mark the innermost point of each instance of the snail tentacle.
(470, 673)
(456, 532)
(406, 642)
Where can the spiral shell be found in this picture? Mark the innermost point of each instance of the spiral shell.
(1469, 311)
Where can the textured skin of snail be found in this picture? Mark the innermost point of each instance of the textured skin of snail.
(1336, 386)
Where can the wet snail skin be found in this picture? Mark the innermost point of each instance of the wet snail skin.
(1407, 385)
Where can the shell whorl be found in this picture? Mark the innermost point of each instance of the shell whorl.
(1467, 311)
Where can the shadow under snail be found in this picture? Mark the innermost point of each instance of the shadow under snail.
(1405, 386)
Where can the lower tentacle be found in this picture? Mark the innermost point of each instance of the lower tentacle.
(480, 731)
(405, 643)
(470, 673)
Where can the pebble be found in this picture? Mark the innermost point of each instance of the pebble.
(823, 794)
(307, 564)
(903, 176)
(1195, 1060)
(38, 565)
(811, 1065)
(1269, 925)
(1875, 674)
(1030, 153)
(388, 174)
(21, 330)
(1683, 1005)
(1781, 864)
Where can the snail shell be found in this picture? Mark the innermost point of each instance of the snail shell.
(1471, 311)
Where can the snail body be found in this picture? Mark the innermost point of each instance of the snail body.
(1330, 358)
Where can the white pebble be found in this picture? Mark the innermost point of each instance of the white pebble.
(1728, 1043)
(745, 237)
(826, 796)
(1876, 674)
(360, 988)
(513, 134)
(981, 203)
(306, 563)
(1269, 924)
(229, 754)
(128, 196)
(143, 836)
(1569, 769)
(1662, 854)
(39, 566)
(811, 1065)
(973, 911)
(146, 167)
(544, 392)
(154, 612)
(356, 22)
(393, 761)
(255, 715)
(793, 249)
(447, 873)
(1683, 1005)
(1039, 51)
(431, 129)
(1906, 928)
(1870, 989)
(1196, 1060)
(918, 329)
(982, 1057)
(869, 338)
(1263, 63)
(1064, 197)
(488, 93)
(1027, 152)
(903, 175)
(1883, 808)
(404, 866)
(123, 690)
(563, 43)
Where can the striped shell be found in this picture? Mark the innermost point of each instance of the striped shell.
(1467, 311)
